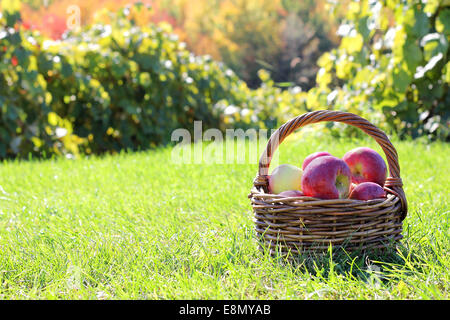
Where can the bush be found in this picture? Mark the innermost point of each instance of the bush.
(109, 87)
(391, 67)
(137, 84)
(27, 124)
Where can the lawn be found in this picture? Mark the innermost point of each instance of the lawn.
(138, 226)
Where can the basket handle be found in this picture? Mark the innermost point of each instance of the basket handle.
(393, 182)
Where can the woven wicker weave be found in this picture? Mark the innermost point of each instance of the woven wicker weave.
(306, 224)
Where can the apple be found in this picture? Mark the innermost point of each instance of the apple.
(366, 165)
(313, 156)
(367, 191)
(285, 177)
(291, 193)
(326, 177)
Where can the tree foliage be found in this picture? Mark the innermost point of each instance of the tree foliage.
(391, 66)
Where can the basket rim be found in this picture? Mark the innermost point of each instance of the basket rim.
(276, 198)
(325, 207)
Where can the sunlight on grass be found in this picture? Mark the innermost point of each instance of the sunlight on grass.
(138, 226)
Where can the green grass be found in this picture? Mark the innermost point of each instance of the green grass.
(137, 226)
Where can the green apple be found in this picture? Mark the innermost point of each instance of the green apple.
(285, 177)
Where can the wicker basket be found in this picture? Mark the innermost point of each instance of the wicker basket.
(306, 224)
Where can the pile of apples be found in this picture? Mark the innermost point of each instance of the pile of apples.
(360, 175)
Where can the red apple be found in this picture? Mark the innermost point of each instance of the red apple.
(291, 193)
(326, 177)
(313, 156)
(366, 165)
(367, 191)
(285, 177)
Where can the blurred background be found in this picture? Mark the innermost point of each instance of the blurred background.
(89, 77)
(286, 37)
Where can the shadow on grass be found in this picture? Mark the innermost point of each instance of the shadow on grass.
(382, 264)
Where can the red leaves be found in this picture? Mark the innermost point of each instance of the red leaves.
(54, 25)
(26, 25)
(14, 61)
(50, 24)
